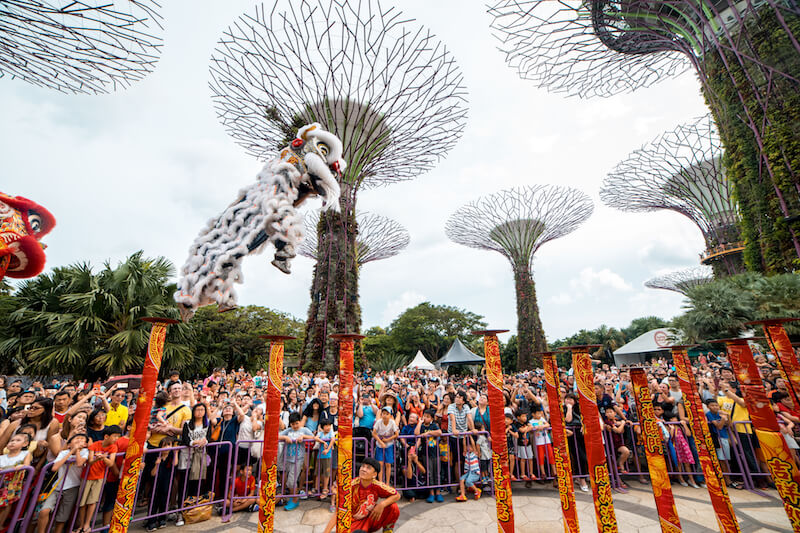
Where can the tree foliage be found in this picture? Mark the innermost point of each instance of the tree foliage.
(231, 339)
(609, 338)
(79, 321)
(84, 323)
(721, 308)
(427, 327)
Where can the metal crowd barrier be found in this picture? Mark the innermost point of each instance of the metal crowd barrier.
(214, 468)
(10, 479)
(214, 460)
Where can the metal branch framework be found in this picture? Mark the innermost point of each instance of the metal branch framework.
(746, 54)
(681, 170)
(605, 47)
(378, 238)
(555, 44)
(682, 280)
(79, 46)
(516, 222)
(386, 86)
(389, 89)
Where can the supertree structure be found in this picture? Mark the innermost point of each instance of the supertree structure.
(682, 280)
(378, 237)
(516, 222)
(90, 46)
(746, 54)
(681, 170)
(387, 87)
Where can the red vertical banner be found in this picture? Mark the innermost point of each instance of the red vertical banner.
(654, 450)
(785, 358)
(782, 466)
(131, 468)
(344, 442)
(502, 475)
(272, 421)
(566, 489)
(706, 452)
(593, 437)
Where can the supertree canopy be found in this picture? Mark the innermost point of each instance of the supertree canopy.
(91, 46)
(516, 222)
(386, 86)
(747, 56)
(681, 170)
(378, 237)
(682, 280)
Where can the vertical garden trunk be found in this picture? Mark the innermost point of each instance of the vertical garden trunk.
(530, 334)
(758, 116)
(334, 289)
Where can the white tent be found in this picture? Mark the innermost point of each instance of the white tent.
(420, 362)
(645, 345)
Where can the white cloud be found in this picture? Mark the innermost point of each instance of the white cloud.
(589, 281)
(562, 298)
(398, 305)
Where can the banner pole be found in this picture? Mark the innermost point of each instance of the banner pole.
(344, 440)
(706, 452)
(272, 421)
(566, 489)
(777, 455)
(785, 358)
(654, 451)
(502, 476)
(131, 468)
(593, 437)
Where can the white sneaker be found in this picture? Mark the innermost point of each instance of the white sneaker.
(303, 495)
(179, 522)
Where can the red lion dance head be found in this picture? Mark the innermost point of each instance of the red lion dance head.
(22, 225)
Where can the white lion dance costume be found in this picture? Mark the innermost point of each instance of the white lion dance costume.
(263, 212)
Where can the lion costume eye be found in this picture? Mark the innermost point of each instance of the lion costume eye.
(323, 149)
(35, 221)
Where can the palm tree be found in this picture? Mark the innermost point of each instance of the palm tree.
(76, 321)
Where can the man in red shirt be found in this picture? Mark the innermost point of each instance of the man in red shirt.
(370, 512)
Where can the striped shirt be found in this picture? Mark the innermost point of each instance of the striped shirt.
(471, 464)
(461, 416)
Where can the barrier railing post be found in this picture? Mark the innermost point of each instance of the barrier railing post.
(654, 451)
(566, 488)
(269, 453)
(131, 469)
(777, 454)
(344, 514)
(715, 483)
(502, 476)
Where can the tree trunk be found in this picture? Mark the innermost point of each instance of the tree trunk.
(334, 289)
(530, 334)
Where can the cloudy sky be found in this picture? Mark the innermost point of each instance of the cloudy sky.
(144, 168)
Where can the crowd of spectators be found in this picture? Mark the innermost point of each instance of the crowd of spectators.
(427, 431)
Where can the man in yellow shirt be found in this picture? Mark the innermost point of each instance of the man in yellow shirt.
(116, 413)
(731, 402)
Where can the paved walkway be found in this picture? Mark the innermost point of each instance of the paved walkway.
(537, 510)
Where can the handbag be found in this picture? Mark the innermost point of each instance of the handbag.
(198, 514)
